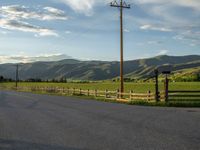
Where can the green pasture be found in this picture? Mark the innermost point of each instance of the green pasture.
(111, 86)
(184, 101)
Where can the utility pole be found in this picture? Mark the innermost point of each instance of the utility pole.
(122, 5)
(17, 75)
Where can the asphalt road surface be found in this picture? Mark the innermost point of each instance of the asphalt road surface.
(41, 122)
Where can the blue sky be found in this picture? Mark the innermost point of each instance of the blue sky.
(89, 29)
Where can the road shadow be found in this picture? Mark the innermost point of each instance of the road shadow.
(3, 102)
(22, 145)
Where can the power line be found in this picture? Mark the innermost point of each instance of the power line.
(122, 5)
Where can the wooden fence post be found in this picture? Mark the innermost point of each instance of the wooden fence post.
(106, 93)
(117, 94)
(45, 89)
(63, 90)
(80, 91)
(149, 95)
(95, 93)
(55, 89)
(131, 92)
(88, 94)
(73, 91)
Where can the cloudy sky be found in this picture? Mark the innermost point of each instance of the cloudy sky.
(89, 29)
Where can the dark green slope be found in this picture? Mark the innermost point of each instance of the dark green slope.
(99, 70)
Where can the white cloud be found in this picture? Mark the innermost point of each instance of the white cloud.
(154, 42)
(16, 12)
(12, 16)
(54, 14)
(192, 36)
(193, 44)
(84, 6)
(195, 4)
(81, 6)
(163, 15)
(127, 30)
(163, 52)
(54, 10)
(22, 58)
(179, 16)
(155, 28)
(68, 32)
(149, 42)
(26, 27)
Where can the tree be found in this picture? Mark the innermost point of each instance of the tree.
(1, 78)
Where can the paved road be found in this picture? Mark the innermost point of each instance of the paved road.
(40, 122)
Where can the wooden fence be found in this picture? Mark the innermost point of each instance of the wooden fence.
(116, 95)
(110, 95)
(183, 95)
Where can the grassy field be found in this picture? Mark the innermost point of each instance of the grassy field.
(136, 87)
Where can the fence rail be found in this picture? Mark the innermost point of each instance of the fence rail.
(184, 91)
(184, 95)
(111, 95)
(118, 96)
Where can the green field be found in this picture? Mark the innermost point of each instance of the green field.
(184, 101)
(136, 87)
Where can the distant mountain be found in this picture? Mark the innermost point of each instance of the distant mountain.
(102, 70)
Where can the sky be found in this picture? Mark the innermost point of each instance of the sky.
(35, 30)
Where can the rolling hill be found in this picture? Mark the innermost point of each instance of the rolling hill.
(103, 70)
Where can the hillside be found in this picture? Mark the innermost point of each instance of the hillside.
(102, 70)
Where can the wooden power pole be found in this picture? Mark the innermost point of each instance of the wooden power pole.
(122, 5)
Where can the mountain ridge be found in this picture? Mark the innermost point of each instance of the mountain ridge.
(99, 70)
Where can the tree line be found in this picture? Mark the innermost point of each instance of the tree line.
(3, 79)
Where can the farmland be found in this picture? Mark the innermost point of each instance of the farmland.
(184, 99)
(136, 87)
